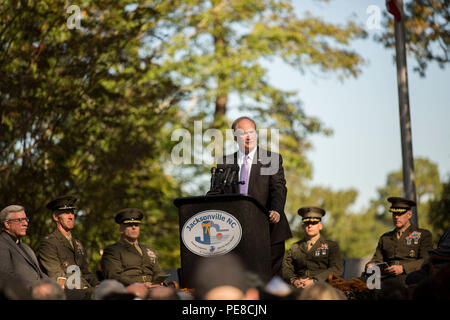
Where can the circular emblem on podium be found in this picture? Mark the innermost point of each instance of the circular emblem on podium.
(211, 233)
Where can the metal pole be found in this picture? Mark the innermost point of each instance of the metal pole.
(409, 183)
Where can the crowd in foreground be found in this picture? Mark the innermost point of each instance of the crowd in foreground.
(234, 283)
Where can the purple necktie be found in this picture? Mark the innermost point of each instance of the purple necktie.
(243, 188)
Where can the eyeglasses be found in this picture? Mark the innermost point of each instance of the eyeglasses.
(20, 220)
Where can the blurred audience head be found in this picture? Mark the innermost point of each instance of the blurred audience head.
(434, 288)
(163, 293)
(321, 291)
(429, 289)
(139, 290)
(112, 290)
(222, 278)
(393, 289)
(12, 287)
(47, 289)
(277, 289)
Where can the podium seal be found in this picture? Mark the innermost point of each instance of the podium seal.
(211, 233)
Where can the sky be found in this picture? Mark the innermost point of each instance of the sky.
(364, 112)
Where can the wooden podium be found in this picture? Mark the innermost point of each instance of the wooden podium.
(223, 224)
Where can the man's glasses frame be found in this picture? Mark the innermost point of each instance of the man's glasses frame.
(20, 220)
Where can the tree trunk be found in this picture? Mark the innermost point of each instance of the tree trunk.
(220, 47)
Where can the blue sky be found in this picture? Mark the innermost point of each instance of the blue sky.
(363, 112)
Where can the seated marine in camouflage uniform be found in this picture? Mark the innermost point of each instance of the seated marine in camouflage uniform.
(314, 258)
(129, 261)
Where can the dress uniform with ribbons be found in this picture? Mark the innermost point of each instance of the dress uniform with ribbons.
(130, 262)
(57, 252)
(409, 247)
(314, 260)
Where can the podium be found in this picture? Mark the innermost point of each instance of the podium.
(223, 224)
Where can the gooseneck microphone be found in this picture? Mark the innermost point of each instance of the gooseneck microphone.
(213, 178)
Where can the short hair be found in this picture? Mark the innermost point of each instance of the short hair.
(6, 213)
(235, 122)
(217, 271)
(163, 293)
(393, 289)
(108, 288)
(47, 289)
(321, 291)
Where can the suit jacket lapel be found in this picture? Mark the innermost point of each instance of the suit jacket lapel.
(254, 173)
(28, 256)
(32, 256)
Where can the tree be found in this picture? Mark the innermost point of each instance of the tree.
(356, 233)
(427, 32)
(84, 111)
(428, 188)
(216, 49)
(438, 212)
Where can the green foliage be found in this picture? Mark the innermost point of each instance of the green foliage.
(428, 187)
(356, 233)
(427, 32)
(439, 212)
(218, 48)
(83, 112)
(90, 111)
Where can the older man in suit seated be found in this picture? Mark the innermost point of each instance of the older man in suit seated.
(17, 258)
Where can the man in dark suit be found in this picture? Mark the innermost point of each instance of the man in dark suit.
(263, 176)
(16, 258)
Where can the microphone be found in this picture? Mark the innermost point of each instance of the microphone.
(235, 179)
(219, 174)
(213, 178)
(231, 179)
(226, 175)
